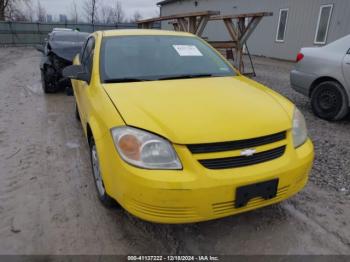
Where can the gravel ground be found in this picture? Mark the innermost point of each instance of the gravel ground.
(331, 140)
(48, 203)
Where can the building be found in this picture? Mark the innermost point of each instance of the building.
(49, 19)
(295, 23)
(63, 18)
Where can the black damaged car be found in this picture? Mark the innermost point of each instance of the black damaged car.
(59, 51)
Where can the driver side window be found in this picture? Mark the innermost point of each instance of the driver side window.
(87, 56)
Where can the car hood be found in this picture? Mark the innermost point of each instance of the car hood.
(66, 50)
(202, 110)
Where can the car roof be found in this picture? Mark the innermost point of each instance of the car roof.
(339, 45)
(62, 29)
(131, 32)
(69, 33)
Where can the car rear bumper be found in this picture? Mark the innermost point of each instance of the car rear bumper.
(301, 82)
(186, 196)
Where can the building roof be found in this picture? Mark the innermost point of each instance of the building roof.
(165, 2)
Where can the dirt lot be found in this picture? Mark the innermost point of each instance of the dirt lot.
(48, 203)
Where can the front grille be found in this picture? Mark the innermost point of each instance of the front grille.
(236, 145)
(227, 208)
(241, 161)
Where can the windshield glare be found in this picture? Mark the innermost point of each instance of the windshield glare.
(159, 57)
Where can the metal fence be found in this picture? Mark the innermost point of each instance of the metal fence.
(24, 33)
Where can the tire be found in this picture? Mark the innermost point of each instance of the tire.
(48, 86)
(77, 115)
(105, 199)
(69, 91)
(329, 101)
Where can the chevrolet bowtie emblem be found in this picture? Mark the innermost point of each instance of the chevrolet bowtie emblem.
(248, 152)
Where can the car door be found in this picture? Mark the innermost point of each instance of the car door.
(82, 87)
(346, 68)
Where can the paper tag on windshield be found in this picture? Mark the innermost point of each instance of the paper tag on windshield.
(187, 50)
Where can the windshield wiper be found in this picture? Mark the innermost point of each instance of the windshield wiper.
(186, 76)
(124, 80)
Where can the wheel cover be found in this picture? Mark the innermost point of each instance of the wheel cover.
(49, 81)
(96, 171)
(329, 100)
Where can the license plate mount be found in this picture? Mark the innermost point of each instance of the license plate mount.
(267, 190)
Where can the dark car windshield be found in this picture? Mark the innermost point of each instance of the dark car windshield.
(142, 58)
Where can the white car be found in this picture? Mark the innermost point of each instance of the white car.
(62, 29)
(323, 74)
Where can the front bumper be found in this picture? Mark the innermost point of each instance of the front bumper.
(197, 194)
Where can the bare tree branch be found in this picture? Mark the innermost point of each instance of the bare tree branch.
(118, 12)
(6, 3)
(135, 17)
(90, 9)
(16, 10)
(111, 14)
(74, 15)
(41, 12)
(105, 14)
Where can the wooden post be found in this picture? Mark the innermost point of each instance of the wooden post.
(182, 24)
(231, 29)
(189, 22)
(192, 24)
(176, 26)
(203, 21)
(250, 29)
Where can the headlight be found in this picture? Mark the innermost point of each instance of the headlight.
(299, 128)
(144, 149)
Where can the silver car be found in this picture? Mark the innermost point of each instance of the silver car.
(323, 74)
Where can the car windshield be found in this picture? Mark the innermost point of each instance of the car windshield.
(144, 58)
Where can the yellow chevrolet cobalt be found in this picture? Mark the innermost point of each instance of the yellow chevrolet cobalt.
(177, 135)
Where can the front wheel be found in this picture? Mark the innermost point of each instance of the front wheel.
(47, 80)
(96, 171)
(77, 115)
(329, 101)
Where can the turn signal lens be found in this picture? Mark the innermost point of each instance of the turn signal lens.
(130, 146)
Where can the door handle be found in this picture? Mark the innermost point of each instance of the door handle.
(348, 63)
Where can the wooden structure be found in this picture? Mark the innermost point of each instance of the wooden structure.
(194, 23)
(239, 27)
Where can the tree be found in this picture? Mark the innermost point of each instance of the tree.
(74, 16)
(111, 14)
(3, 6)
(41, 12)
(118, 14)
(14, 10)
(90, 10)
(28, 11)
(136, 16)
(105, 14)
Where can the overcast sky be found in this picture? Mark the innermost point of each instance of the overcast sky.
(146, 7)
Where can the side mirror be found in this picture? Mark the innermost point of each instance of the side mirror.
(76, 72)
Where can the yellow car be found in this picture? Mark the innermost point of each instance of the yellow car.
(177, 135)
